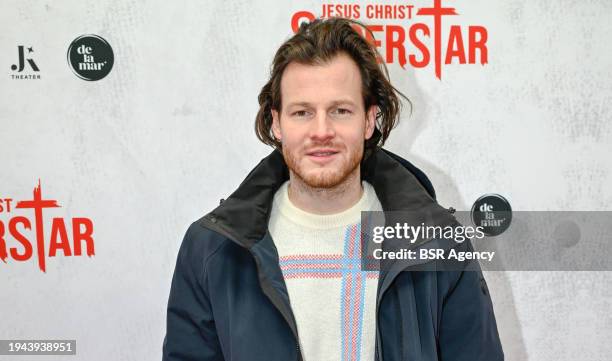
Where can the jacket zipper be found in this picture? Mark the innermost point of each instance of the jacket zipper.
(378, 355)
(285, 316)
(382, 293)
(267, 286)
(378, 337)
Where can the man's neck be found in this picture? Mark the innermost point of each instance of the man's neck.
(325, 200)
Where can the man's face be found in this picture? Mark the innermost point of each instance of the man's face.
(322, 124)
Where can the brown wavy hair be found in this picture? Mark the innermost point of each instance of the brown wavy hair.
(317, 42)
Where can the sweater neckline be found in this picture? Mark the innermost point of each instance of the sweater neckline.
(317, 221)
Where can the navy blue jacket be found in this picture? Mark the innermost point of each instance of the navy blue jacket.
(228, 299)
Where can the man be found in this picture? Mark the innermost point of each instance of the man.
(273, 273)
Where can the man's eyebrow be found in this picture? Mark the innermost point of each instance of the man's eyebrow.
(302, 104)
(333, 103)
(343, 102)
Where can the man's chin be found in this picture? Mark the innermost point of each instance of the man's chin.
(315, 175)
(322, 178)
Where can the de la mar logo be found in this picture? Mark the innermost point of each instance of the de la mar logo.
(90, 57)
(26, 67)
(409, 30)
(23, 236)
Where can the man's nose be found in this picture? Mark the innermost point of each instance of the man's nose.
(322, 127)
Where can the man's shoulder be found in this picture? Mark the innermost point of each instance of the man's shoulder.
(417, 172)
(200, 243)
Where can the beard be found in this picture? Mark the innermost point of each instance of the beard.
(326, 176)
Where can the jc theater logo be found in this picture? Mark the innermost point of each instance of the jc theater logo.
(19, 241)
(26, 67)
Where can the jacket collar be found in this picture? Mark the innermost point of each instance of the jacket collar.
(244, 215)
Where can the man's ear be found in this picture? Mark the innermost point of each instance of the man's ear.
(276, 124)
(370, 121)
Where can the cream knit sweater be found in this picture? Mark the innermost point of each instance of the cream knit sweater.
(332, 299)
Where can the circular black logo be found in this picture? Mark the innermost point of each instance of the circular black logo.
(493, 213)
(90, 57)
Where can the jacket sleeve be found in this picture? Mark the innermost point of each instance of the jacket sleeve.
(468, 331)
(190, 327)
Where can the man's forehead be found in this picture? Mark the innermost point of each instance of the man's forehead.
(336, 80)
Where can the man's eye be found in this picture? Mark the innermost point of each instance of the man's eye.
(342, 111)
(300, 113)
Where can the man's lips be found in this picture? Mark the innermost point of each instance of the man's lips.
(322, 152)
(322, 155)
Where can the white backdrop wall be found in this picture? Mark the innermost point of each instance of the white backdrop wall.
(156, 144)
